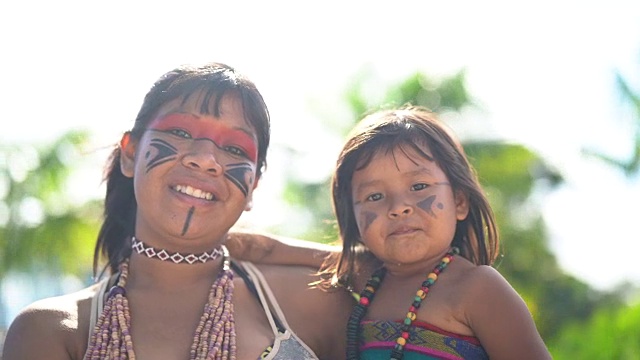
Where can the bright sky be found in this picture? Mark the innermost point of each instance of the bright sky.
(541, 71)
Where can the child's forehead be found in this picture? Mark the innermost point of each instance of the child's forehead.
(399, 152)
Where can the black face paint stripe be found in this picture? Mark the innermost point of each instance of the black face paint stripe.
(165, 152)
(427, 204)
(188, 220)
(369, 218)
(237, 174)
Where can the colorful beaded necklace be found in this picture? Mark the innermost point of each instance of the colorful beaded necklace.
(367, 295)
(214, 338)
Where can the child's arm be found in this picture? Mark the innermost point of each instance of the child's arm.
(272, 249)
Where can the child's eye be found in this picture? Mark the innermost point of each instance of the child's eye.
(181, 133)
(236, 151)
(418, 187)
(374, 197)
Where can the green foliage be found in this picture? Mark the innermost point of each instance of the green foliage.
(511, 169)
(314, 200)
(611, 333)
(439, 96)
(631, 166)
(41, 225)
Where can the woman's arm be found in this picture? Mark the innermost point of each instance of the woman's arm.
(39, 333)
(272, 249)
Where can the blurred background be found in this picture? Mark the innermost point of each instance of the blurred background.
(545, 96)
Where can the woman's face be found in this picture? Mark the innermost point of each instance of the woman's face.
(194, 174)
(405, 208)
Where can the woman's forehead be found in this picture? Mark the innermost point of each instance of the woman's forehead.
(206, 103)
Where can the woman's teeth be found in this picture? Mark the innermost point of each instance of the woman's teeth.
(197, 193)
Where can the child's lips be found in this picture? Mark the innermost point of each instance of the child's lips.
(403, 230)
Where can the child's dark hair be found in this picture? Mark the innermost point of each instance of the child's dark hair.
(413, 127)
(213, 81)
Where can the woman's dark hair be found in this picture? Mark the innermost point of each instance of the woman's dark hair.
(412, 127)
(213, 81)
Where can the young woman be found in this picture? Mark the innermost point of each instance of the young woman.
(177, 182)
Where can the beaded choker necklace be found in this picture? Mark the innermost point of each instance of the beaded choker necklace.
(214, 337)
(366, 297)
(178, 258)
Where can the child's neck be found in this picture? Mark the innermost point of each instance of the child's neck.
(415, 269)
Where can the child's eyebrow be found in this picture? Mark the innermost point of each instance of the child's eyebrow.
(366, 184)
(421, 171)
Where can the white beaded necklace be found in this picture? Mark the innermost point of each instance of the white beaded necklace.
(176, 257)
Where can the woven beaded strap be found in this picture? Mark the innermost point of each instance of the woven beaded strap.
(178, 258)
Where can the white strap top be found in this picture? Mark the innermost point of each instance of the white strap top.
(287, 345)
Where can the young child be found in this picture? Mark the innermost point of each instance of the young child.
(177, 182)
(404, 192)
(404, 189)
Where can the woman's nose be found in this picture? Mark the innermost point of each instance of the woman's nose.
(202, 156)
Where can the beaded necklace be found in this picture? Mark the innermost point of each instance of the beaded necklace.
(214, 338)
(151, 252)
(367, 295)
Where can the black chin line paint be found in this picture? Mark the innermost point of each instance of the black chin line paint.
(188, 220)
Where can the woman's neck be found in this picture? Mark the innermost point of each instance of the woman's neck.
(168, 276)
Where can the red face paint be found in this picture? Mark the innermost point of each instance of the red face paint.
(206, 128)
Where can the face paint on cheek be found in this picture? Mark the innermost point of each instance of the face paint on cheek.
(367, 219)
(164, 152)
(240, 175)
(427, 205)
(187, 221)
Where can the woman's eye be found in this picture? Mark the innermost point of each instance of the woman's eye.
(236, 151)
(374, 197)
(181, 133)
(418, 187)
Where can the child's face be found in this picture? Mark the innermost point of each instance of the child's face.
(405, 207)
(193, 174)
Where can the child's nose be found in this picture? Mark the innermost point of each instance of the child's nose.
(202, 156)
(400, 207)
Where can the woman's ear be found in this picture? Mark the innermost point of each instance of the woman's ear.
(127, 155)
(249, 204)
(462, 205)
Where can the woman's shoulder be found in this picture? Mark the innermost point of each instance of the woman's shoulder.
(53, 326)
(298, 283)
(303, 303)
